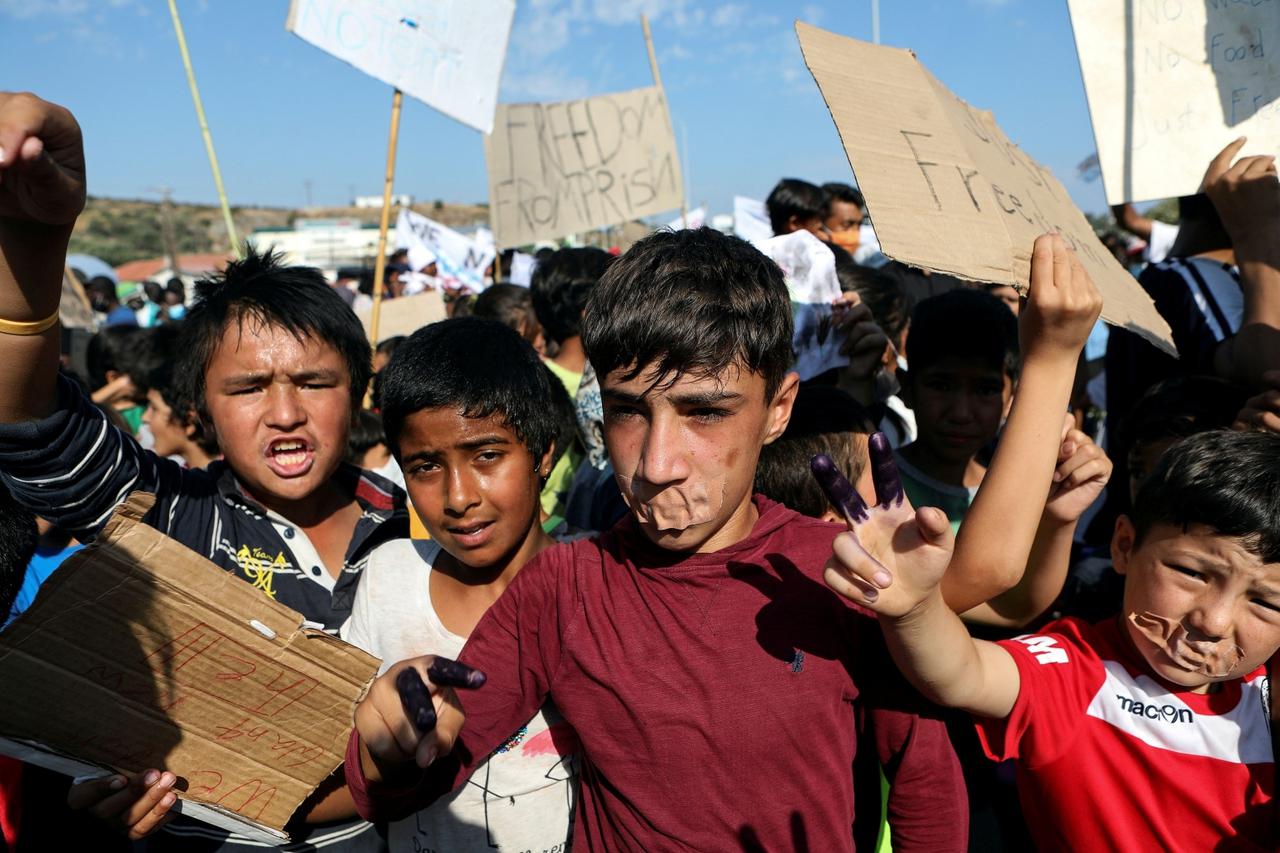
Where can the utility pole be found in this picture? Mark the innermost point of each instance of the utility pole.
(167, 233)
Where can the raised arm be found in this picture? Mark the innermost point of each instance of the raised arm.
(1082, 473)
(892, 561)
(1000, 528)
(42, 191)
(1246, 195)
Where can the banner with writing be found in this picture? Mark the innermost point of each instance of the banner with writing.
(1171, 82)
(559, 168)
(460, 260)
(946, 188)
(446, 53)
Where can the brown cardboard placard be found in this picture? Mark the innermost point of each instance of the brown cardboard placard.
(74, 311)
(559, 168)
(405, 315)
(140, 653)
(945, 187)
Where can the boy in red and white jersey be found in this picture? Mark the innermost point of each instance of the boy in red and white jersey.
(1145, 732)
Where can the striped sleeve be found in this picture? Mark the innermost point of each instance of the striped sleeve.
(74, 467)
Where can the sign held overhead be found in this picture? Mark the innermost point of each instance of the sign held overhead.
(1171, 82)
(446, 53)
(559, 168)
(946, 188)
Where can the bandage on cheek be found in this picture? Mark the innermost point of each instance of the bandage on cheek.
(677, 507)
(1216, 659)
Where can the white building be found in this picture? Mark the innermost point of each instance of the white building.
(324, 243)
(376, 201)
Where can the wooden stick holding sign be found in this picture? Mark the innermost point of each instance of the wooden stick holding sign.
(657, 81)
(204, 131)
(380, 262)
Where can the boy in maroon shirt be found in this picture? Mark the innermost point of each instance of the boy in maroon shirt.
(714, 682)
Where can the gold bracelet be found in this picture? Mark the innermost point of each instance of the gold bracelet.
(33, 327)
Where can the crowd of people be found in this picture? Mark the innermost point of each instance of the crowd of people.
(995, 583)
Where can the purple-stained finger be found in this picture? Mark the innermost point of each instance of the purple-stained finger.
(450, 673)
(416, 699)
(839, 491)
(884, 471)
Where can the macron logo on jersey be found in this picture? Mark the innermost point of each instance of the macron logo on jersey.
(1143, 709)
(1045, 649)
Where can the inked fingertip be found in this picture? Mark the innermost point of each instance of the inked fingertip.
(879, 443)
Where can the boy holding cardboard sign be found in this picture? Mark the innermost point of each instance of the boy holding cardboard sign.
(277, 364)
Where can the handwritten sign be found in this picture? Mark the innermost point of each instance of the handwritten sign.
(1171, 82)
(446, 53)
(154, 657)
(460, 260)
(559, 168)
(946, 188)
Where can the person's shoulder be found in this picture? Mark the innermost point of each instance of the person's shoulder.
(1068, 640)
(398, 557)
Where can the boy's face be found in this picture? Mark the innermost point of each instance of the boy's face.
(281, 410)
(169, 436)
(1211, 584)
(843, 216)
(473, 482)
(685, 454)
(958, 405)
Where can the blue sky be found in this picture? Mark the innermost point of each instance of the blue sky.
(284, 113)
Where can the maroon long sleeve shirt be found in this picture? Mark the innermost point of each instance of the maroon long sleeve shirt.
(714, 697)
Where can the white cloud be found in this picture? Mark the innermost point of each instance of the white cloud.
(728, 15)
(62, 8)
(545, 83)
(812, 14)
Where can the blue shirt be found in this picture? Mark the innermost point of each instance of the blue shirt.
(38, 571)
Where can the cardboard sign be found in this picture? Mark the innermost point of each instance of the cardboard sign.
(460, 260)
(560, 168)
(446, 53)
(405, 315)
(1171, 82)
(74, 311)
(946, 188)
(810, 270)
(140, 653)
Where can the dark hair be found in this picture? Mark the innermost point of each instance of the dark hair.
(260, 289)
(691, 301)
(840, 192)
(18, 539)
(509, 304)
(963, 323)
(366, 434)
(479, 366)
(114, 349)
(176, 286)
(389, 346)
(162, 352)
(102, 286)
(560, 286)
(1229, 481)
(823, 420)
(1181, 407)
(881, 293)
(793, 197)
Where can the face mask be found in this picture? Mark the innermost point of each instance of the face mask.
(673, 507)
(1212, 659)
(847, 240)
